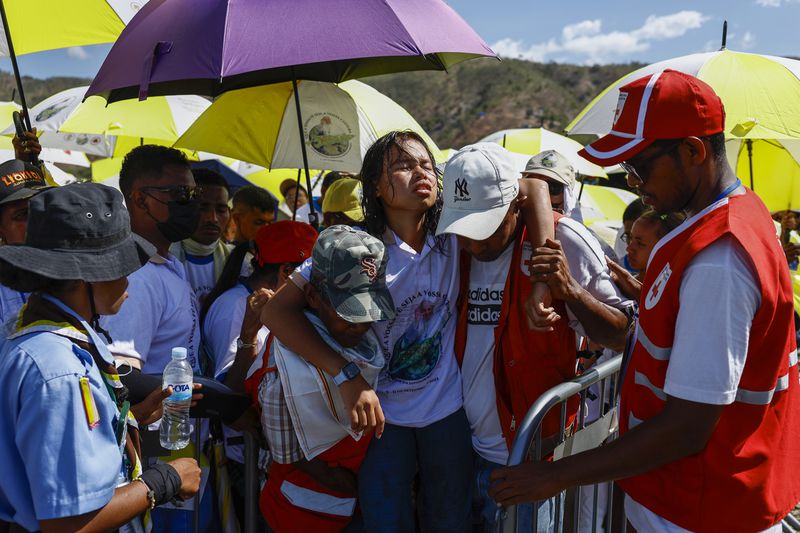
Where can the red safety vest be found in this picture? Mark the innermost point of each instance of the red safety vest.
(526, 363)
(746, 479)
(292, 500)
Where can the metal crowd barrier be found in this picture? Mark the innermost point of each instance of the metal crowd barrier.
(589, 433)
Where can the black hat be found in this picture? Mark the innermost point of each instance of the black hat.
(79, 231)
(19, 180)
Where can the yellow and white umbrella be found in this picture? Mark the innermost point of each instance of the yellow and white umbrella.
(67, 122)
(340, 122)
(531, 141)
(761, 94)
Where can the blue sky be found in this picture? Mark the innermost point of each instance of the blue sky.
(572, 31)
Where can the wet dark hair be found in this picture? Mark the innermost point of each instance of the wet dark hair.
(665, 223)
(147, 162)
(376, 162)
(23, 280)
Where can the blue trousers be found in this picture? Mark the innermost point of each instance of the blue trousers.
(442, 455)
(545, 510)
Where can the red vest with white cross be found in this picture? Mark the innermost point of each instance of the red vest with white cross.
(746, 478)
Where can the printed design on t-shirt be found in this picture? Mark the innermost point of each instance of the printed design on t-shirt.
(418, 350)
(484, 305)
(657, 289)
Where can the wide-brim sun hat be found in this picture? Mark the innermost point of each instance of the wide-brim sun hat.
(79, 231)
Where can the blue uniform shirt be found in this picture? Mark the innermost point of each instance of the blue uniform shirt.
(53, 465)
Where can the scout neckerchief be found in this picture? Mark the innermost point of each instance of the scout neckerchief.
(43, 313)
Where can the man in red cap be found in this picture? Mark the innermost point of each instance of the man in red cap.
(709, 409)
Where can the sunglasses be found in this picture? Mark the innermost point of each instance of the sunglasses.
(555, 188)
(641, 168)
(183, 194)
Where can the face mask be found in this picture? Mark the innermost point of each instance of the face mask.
(181, 222)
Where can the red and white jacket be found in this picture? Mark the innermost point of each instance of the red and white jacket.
(746, 479)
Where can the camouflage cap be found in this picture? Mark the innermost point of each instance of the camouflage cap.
(349, 268)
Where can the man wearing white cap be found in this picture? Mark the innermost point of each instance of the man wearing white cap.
(482, 197)
(710, 401)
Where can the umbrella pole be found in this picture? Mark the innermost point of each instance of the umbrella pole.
(580, 192)
(14, 65)
(312, 215)
(749, 143)
(294, 208)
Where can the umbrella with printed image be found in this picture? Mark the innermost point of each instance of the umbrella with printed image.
(66, 121)
(208, 47)
(341, 122)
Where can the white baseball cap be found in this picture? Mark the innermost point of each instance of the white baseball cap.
(480, 182)
(553, 165)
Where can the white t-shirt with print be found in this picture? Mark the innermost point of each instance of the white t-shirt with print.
(200, 275)
(421, 383)
(159, 314)
(487, 282)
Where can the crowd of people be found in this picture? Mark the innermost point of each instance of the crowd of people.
(388, 357)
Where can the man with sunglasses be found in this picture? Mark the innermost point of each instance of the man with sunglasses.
(161, 310)
(710, 401)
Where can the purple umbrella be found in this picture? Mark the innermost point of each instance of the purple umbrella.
(211, 46)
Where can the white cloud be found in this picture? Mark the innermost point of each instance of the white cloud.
(586, 40)
(582, 29)
(748, 41)
(77, 52)
(670, 26)
(774, 3)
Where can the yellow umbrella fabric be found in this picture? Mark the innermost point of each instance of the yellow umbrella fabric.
(340, 121)
(272, 179)
(65, 23)
(761, 94)
(531, 141)
(776, 170)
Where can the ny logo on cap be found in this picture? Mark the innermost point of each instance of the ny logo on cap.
(368, 267)
(462, 193)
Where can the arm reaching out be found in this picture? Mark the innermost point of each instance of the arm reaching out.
(283, 315)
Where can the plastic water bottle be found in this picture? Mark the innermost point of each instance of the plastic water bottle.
(175, 426)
